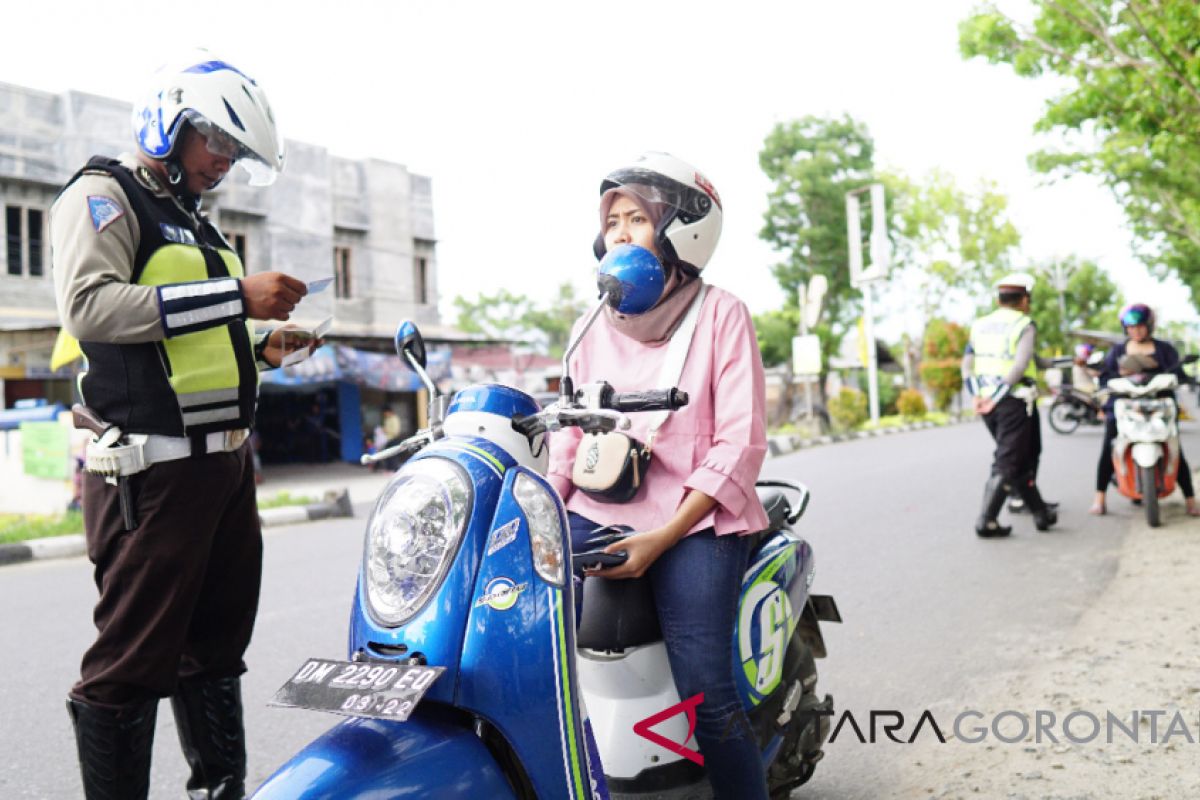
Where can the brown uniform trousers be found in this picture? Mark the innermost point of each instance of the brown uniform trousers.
(178, 594)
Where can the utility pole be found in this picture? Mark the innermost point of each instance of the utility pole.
(1061, 276)
(864, 278)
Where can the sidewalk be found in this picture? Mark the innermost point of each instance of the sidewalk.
(1136, 650)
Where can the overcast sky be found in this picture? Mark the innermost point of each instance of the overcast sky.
(517, 110)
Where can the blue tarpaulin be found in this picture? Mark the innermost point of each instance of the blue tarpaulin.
(335, 362)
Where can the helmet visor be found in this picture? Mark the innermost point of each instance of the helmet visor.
(689, 203)
(1135, 315)
(221, 143)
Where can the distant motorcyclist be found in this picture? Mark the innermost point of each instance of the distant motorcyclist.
(1140, 354)
(999, 369)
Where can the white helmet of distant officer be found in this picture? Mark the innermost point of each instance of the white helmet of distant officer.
(223, 104)
(689, 208)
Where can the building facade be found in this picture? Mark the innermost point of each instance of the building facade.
(368, 224)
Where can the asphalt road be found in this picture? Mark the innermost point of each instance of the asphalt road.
(928, 607)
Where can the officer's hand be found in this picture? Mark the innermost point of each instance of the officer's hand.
(272, 295)
(984, 405)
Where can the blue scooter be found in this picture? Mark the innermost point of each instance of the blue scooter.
(466, 677)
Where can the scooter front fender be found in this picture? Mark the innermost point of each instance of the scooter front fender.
(430, 755)
(1147, 454)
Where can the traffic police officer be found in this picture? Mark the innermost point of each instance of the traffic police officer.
(162, 309)
(1000, 371)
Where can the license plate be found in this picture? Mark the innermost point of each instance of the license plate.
(357, 688)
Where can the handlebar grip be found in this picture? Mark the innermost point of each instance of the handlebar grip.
(528, 426)
(657, 400)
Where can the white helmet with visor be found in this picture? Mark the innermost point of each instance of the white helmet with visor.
(690, 224)
(223, 104)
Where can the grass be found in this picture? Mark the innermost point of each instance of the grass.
(808, 430)
(22, 527)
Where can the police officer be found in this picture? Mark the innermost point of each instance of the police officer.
(162, 309)
(1000, 371)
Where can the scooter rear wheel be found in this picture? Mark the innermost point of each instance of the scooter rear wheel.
(1064, 416)
(1150, 495)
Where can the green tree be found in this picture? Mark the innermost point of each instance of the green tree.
(1090, 299)
(515, 317)
(812, 163)
(1130, 114)
(947, 239)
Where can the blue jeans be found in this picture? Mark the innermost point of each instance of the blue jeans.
(696, 587)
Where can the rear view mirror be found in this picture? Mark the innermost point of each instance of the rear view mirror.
(409, 343)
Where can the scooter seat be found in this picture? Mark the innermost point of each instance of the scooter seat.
(775, 503)
(617, 614)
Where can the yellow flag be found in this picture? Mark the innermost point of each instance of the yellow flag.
(862, 343)
(66, 350)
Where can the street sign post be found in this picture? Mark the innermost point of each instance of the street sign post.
(864, 276)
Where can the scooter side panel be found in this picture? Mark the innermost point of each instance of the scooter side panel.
(433, 632)
(774, 593)
(427, 756)
(520, 631)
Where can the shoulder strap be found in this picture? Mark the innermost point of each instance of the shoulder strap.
(677, 352)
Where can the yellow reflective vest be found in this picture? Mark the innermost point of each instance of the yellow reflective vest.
(994, 341)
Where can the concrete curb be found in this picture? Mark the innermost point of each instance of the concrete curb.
(787, 443)
(335, 504)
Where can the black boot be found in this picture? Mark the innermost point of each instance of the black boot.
(208, 714)
(1044, 514)
(994, 493)
(114, 749)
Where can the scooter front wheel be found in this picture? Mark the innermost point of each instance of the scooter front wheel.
(1150, 495)
(1064, 417)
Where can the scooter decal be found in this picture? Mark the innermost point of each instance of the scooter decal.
(767, 608)
(566, 705)
(479, 453)
(502, 536)
(501, 594)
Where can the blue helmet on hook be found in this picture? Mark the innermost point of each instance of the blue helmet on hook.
(632, 277)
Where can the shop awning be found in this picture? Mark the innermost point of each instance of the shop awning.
(333, 362)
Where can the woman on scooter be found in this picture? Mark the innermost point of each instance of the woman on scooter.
(697, 501)
(1140, 353)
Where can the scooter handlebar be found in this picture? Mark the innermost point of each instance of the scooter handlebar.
(656, 400)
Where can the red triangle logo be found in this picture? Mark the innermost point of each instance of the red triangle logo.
(688, 707)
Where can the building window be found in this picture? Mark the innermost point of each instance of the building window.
(341, 271)
(238, 242)
(24, 241)
(421, 280)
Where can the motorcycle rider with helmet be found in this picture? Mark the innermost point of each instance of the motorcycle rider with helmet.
(1140, 353)
(697, 503)
(162, 309)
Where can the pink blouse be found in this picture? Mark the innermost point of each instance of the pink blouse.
(716, 444)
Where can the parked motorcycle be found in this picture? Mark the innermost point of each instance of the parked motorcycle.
(1072, 406)
(464, 678)
(1146, 451)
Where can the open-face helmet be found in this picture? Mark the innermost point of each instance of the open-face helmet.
(1137, 314)
(223, 104)
(690, 225)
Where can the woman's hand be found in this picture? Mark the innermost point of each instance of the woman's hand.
(288, 339)
(643, 549)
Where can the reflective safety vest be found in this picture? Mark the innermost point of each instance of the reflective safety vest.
(994, 341)
(194, 383)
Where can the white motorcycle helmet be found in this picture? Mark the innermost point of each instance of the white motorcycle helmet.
(223, 104)
(688, 232)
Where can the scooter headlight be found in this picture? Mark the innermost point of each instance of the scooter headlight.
(412, 537)
(545, 528)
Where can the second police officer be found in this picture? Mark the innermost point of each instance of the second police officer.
(1000, 370)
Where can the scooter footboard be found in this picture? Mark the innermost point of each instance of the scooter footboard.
(425, 756)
